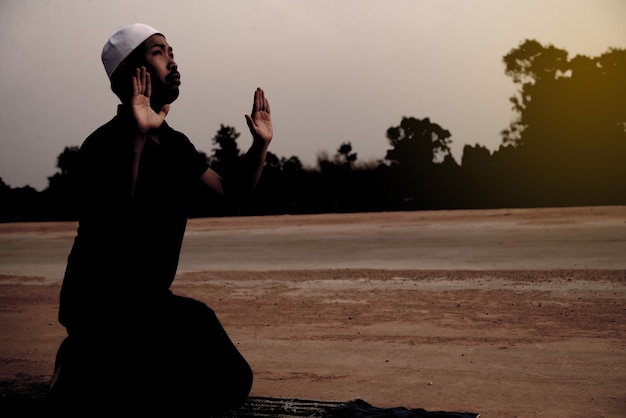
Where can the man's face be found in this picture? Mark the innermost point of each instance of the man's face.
(162, 68)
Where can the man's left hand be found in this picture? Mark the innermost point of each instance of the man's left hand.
(259, 121)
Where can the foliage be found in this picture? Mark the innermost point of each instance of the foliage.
(569, 134)
(345, 155)
(225, 151)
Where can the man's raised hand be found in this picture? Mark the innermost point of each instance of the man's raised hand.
(146, 118)
(259, 121)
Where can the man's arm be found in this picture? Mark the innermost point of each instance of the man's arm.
(145, 117)
(260, 124)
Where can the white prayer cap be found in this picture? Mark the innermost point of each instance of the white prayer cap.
(122, 43)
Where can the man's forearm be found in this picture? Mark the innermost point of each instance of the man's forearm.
(252, 168)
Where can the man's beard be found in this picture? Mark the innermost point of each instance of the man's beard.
(164, 92)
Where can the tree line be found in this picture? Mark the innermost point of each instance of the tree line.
(566, 146)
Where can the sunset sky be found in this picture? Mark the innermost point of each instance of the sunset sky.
(334, 71)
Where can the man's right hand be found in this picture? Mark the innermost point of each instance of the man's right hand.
(146, 118)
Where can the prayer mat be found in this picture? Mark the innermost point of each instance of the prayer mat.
(27, 398)
(275, 407)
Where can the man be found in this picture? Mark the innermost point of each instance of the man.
(131, 342)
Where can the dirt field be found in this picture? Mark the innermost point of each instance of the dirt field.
(509, 313)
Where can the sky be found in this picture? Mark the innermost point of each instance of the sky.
(334, 71)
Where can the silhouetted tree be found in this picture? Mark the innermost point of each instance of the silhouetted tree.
(283, 187)
(21, 204)
(418, 147)
(478, 177)
(570, 130)
(225, 151)
(345, 154)
(5, 202)
(417, 142)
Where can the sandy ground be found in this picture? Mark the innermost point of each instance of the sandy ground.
(509, 313)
